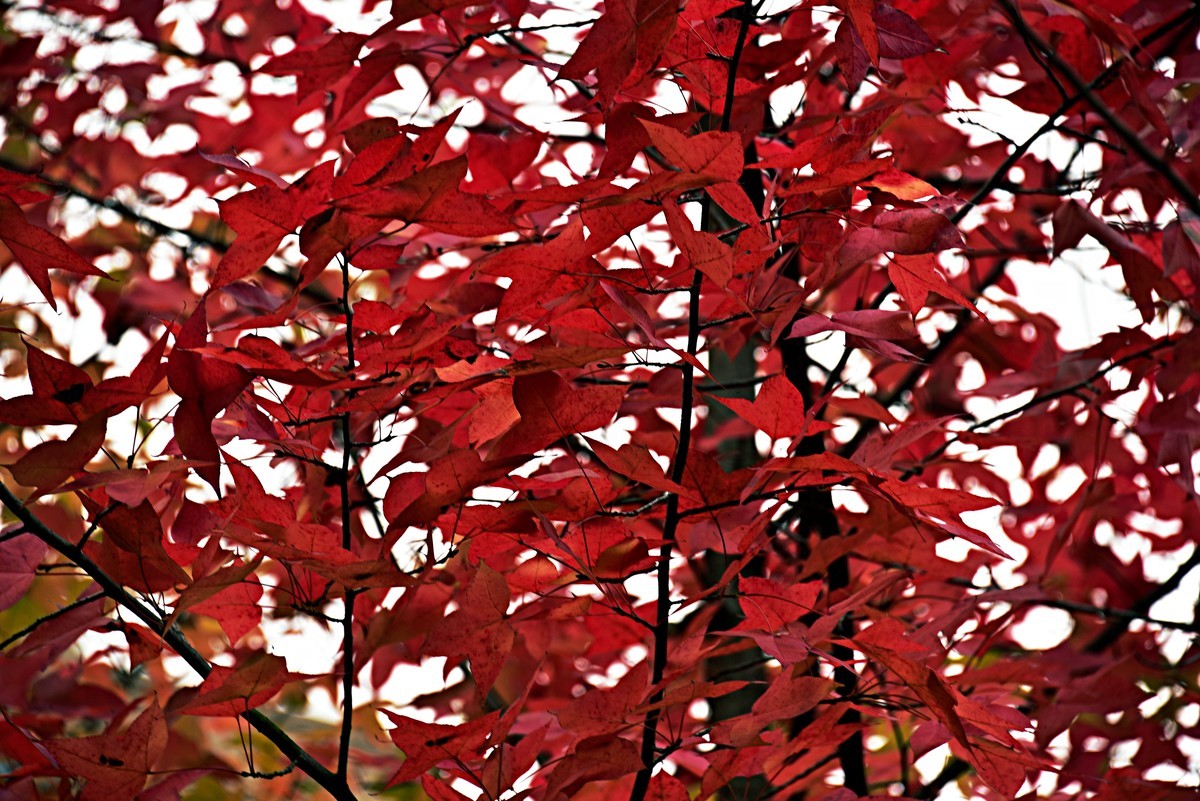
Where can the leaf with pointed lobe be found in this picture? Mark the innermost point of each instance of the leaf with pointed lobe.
(901, 184)
(591, 760)
(427, 745)
(635, 462)
(787, 697)
(704, 251)
(769, 605)
(264, 358)
(39, 250)
(478, 631)
(19, 557)
(876, 329)
(62, 393)
(900, 231)
(777, 410)
(264, 216)
(839, 177)
(248, 172)
(1073, 221)
(394, 158)
(16, 187)
(712, 154)
(206, 386)
(605, 711)
(900, 36)
(1003, 769)
(114, 765)
(230, 691)
(137, 531)
(433, 198)
(550, 409)
(1181, 248)
(230, 595)
(861, 14)
(918, 275)
(626, 41)
(941, 508)
(48, 464)
(416, 498)
(319, 67)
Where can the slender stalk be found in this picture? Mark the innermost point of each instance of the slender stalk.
(174, 638)
(641, 782)
(343, 763)
(1187, 194)
(71, 607)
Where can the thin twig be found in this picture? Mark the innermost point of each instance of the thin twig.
(173, 637)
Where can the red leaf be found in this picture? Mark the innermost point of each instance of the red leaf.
(426, 745)
(916, 276)
(479, 631)
(434, 199)
(320, 67)
(38, 250)
(625, 42)
(231, 596)
(665, 787)
(604, 712)
(115, 765)
(551, 408)
(904, 231)
(206, 386)
(19, 557)
(705, 252)
(778, 409)
(1073, 221)
(899, 34)
(862, 17)
(712, 154)
(869, 324)
(264, 216)
(49, 464)
(230, 691)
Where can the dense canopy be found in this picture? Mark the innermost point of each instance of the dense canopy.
(628, 399)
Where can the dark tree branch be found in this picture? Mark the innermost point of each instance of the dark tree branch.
(173, 637)
(641, 782)
(1160, 165)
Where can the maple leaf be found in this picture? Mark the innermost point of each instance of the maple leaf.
(861, 14)
(426, 745)
(206, 385)
(1072, 221)
(230, 691)
(50, 463)
(916, 276)
(551, 409)
(433, 198)
(19, 558)
(712, 154)
(264, 216)
(627, 39)
(479, 631)
(38, 250)
(876, 329)
(319, 66)
(777, 409)
(902, 231)
(115, 764)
